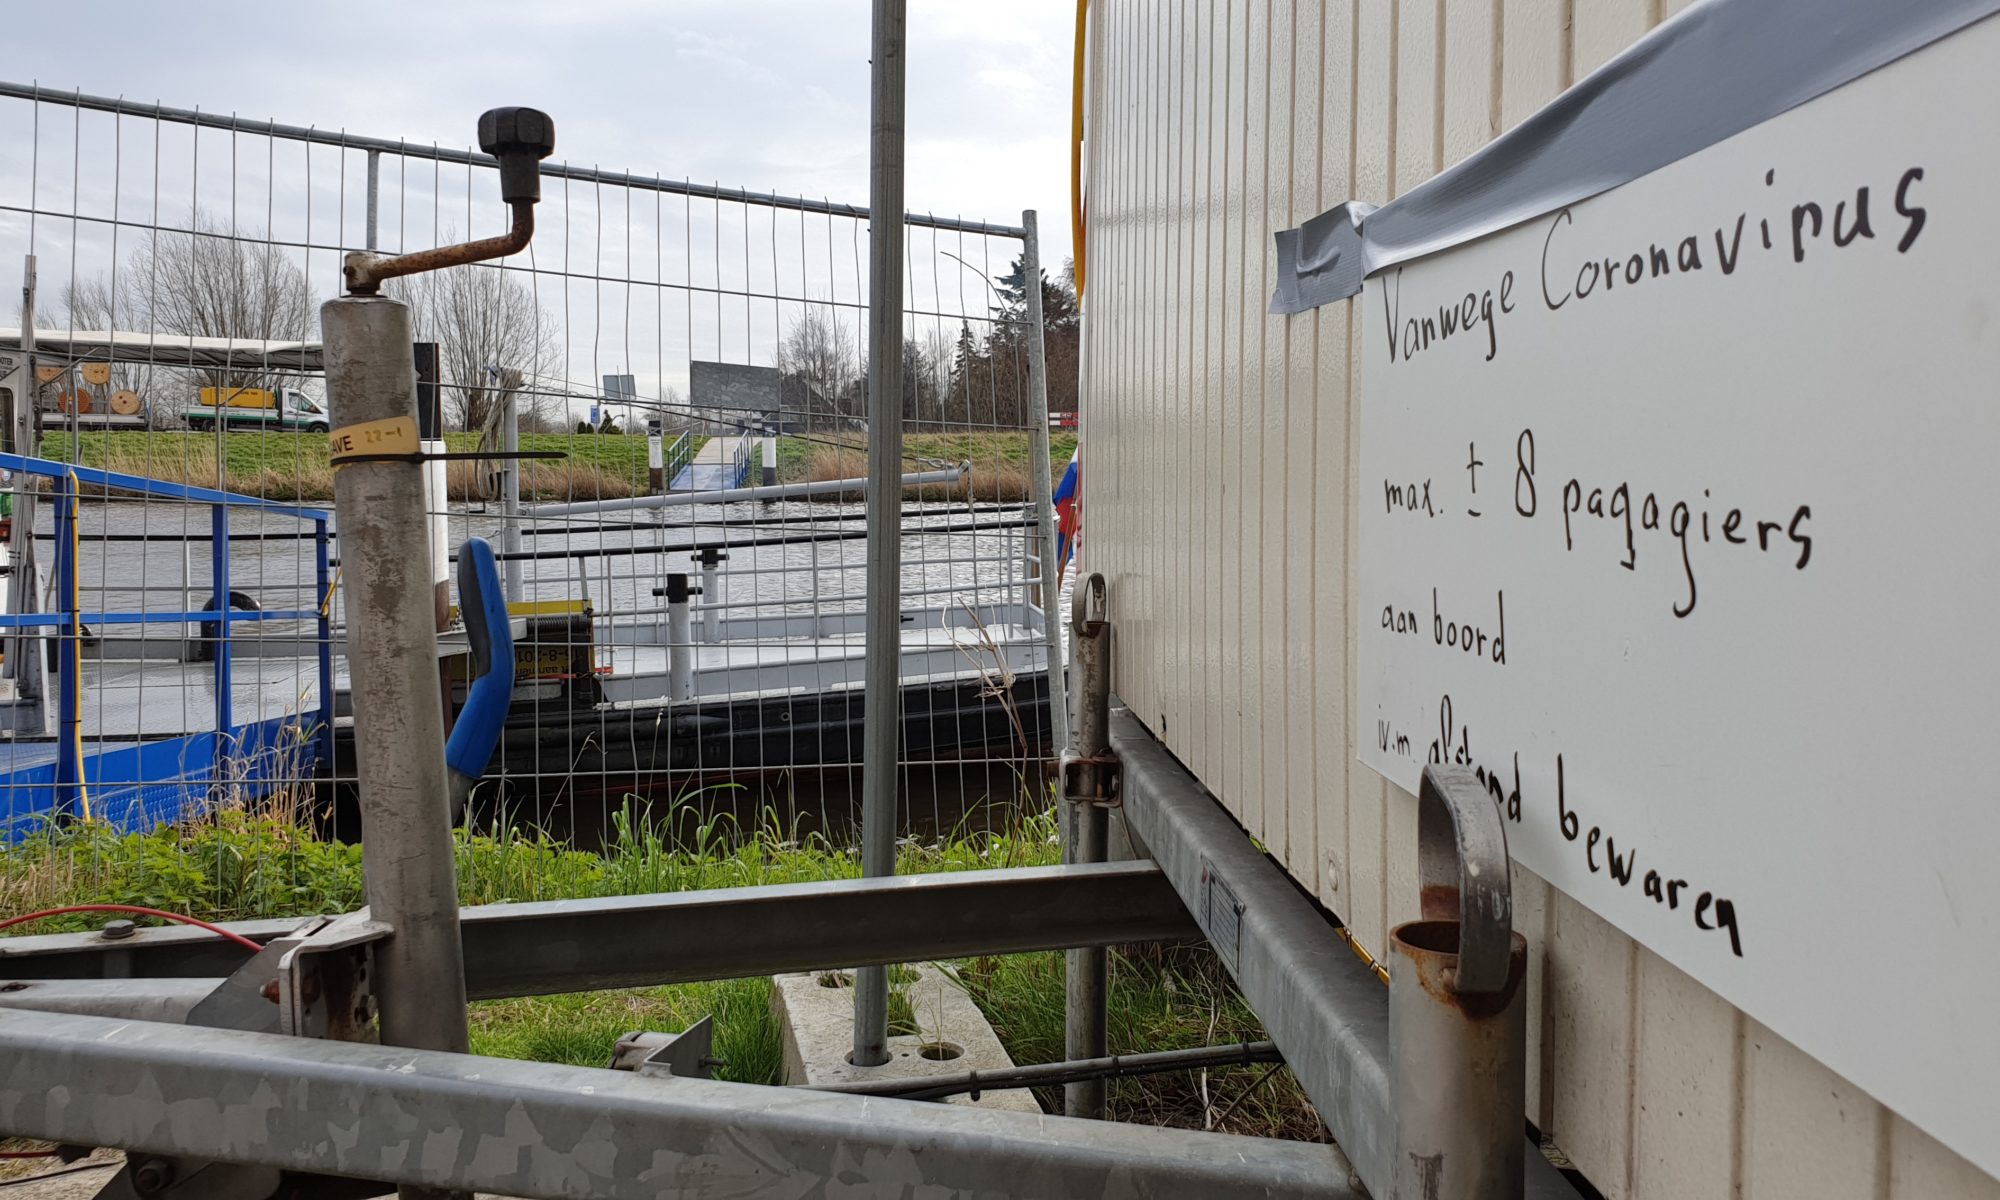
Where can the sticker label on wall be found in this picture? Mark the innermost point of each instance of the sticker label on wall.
(1221, 915)
(1676, 523)
(372, 439)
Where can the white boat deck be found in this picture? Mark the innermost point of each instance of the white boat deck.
(934, 650)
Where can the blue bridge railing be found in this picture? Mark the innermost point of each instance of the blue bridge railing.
(69, 779)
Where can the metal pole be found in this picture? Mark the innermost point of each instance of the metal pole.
(323, 580)
(881, 716)
(69, 659)
(225, 684)
(510, 492)
(1039, 464)
(711, 593)
(937, 1087)
(24, 659)
(1458, 1008)
(190, 631)
(1086, 784)
(392, 653)
(374, 198)
(680, 639)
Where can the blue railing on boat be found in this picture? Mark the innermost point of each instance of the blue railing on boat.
(68, 780)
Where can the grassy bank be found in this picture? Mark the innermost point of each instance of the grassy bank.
(1000, 461)
(293, 466)
(237, 866)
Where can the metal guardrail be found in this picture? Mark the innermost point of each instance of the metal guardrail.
(73, 777)
(677, 456)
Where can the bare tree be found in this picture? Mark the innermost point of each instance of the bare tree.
(673, 412)
(926, 378)
(492, 336)
(209, 283)
(819, 356)
(201, 282)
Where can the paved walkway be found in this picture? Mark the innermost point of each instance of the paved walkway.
(712, 469)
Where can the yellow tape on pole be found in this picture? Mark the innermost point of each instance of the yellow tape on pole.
(372, 439)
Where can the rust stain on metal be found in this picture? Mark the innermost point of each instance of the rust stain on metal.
(1439, 902)
(1430, 948)
(1430, 1174)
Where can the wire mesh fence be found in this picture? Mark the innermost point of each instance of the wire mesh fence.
(684, 573)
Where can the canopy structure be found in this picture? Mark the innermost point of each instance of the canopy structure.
(170, 349)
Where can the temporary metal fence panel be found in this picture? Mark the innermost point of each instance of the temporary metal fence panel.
(181, 257)
(689, 669)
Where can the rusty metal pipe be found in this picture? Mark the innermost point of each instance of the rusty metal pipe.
(366, 271)
(1458, 1005)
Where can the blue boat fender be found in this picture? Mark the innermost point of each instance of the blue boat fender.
(484, 608)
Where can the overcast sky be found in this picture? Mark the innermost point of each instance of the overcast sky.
(755, 93)
(761, 94)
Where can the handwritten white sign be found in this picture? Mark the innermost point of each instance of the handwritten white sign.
(1680, 520)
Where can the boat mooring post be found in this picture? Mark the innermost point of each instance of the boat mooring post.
(1089, 785)
(680, 637)
(881, 711)
(711, 559)
(385, 536)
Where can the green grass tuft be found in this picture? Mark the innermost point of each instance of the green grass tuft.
(236, 865)
(582, 1028)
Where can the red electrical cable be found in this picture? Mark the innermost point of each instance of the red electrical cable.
(29, 1153)
(138, 910)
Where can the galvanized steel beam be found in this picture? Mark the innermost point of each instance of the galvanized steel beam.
(167, 1000)
(676, 937)
(1324, 1008)
(420, 1117)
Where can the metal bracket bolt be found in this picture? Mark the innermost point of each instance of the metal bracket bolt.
(1091, 778)
(687, 1055)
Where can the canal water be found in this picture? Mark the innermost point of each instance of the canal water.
(791, 557)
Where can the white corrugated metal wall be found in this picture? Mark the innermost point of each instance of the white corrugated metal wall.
(1221, 494)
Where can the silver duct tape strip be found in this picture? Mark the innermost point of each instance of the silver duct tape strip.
(1716, 69)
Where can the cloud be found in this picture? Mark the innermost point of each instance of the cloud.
(1009, 79)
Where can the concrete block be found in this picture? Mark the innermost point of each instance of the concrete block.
(815, 1014)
